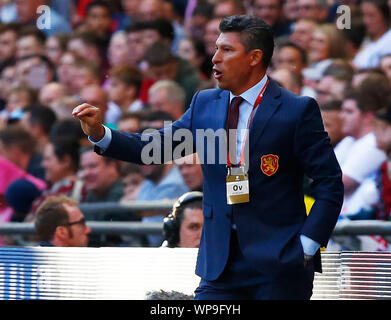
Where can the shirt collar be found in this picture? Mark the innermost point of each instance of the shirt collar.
(251, 94)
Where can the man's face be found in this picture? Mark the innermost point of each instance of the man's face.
(351, 118)
(54, 167)
(302, 33)
(328, 88)
(77, 233)
(192, 174)
(290, 58)
(53, 50)
(383, 135)
(191, 228)
(319, 47)
(8, 40)
(131, 7)
(167, 71)
(268, 10)
(153, 172)
(95, 96)
(131, 125)
(119, 92)
(6, 81)
(333, 125)
(308, 9)
(211, 34)
(231, 64)
(136, 45)
(99, 20)
(118, 52)
(96, 173)
(27, 46)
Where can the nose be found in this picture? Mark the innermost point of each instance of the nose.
(87, 230)
(216, 57)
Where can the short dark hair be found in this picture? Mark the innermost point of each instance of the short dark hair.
(67, 147)
(67, 128)
(254, 34)
(293, 45)
(331, 105)
(129, 75)
(15, 135)
(27, 31)
(98, 3)
(50, 215)
(159, 53)
(42, 116)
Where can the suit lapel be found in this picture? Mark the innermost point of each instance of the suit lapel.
(220, 110)
(265, 111)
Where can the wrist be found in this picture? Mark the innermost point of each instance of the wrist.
(98, 135)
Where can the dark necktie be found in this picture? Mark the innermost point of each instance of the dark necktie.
(232, 123)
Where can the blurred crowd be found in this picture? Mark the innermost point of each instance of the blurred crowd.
(141, 61)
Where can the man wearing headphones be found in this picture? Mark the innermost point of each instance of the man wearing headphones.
(183, 226)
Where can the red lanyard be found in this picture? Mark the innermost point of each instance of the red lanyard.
(256, 105)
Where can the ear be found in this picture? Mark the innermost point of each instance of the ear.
(61, 233)
(256, 57)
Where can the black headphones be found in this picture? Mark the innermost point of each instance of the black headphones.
(171, 223)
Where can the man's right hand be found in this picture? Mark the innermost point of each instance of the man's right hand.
(91, 120)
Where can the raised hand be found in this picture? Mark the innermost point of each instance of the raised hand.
(91, 120)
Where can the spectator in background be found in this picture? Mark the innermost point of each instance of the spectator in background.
(56, 45)
(130, 122)
(118, 51)
(8, 41)
(336, 80)
(123, 92)
(63, 106)
(7, 80)
(314, 9)
(34, 71)
(183, 226)
(210, 36)
(131, 9)
(290, 10)
(364, 157)
(61, 163)
(98, 18)
(20, 196)
(132, 178)
(88, 45)
(66, 71)
(51, 93)
(290, 56)
(191, 172)
(167, 96)
(326, 44)
(302, 33)
(271, 12)
(162, 181)
(194, 52)
(19, 147)
(68, 129)
(31, 41)
(27, 14)
(86, 74)
(19, 98)
(385, 65)
(195, 25)
(38, 121)
(288, 79)
(332, 121)
(226, 8)
(163, 65)
(377, 43)
(95, 94)
(60, 223)
(100, 176)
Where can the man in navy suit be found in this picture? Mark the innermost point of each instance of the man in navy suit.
(257, 241)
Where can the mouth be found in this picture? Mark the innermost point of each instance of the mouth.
(217, 74)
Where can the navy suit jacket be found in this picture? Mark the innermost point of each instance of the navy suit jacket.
(269, 226)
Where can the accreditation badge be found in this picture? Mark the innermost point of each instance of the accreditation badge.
(237, 185)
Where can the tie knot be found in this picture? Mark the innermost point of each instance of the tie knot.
(235, 103)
